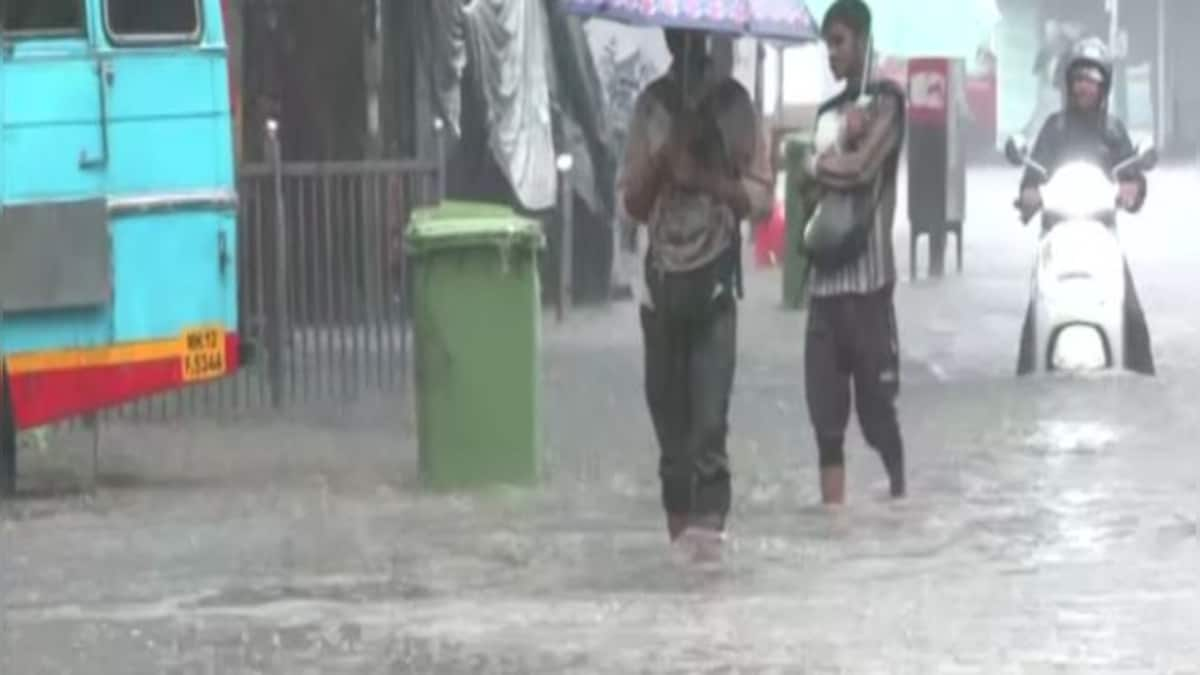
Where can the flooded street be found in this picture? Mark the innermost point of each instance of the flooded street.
(1053, 524)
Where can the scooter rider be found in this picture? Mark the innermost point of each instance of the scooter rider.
(1084, 131)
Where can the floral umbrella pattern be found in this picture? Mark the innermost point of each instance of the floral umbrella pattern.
(781, 19)
(786, 20)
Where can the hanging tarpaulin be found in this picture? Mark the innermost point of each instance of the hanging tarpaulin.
(952, 29)
(508, 40)
(443, 40)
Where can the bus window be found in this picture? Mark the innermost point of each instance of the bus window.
(42, 17)
(156, 21)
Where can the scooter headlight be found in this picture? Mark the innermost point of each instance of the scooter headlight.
(1078, 190)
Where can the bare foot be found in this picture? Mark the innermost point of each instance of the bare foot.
(703, 545)
(833, 485)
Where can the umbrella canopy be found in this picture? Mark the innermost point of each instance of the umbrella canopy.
(782, 20)
(941, 28)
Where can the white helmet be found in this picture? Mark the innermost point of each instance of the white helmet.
(1090, 58)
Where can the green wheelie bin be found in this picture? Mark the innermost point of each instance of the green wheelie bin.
(476, 309)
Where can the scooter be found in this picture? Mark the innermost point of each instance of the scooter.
(1079, 320)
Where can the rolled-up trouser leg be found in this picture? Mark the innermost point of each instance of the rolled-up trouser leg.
(712, 362)
(666, 382)
(1139, 353)
(827, 379)
(877, 380)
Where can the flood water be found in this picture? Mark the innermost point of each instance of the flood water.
(1053, 524)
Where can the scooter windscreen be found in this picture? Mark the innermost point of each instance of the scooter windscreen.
(1079, 190)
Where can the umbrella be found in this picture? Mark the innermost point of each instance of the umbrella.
(785, 20)
(959, 29)
(782, 20)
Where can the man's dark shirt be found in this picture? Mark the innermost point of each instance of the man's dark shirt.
(1070, 136)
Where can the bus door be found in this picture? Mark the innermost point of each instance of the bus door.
(171, 176)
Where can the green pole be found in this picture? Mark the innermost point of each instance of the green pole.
(799, 205)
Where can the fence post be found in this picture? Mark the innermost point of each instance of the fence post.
(566, 241)
(439, 129)
(276, 336)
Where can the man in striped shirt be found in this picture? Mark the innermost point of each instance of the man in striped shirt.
(851, 333)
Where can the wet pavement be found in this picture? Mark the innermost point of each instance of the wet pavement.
(1053, 527)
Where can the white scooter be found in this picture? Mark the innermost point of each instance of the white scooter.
(1079, 319)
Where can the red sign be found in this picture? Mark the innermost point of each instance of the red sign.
(928, 90)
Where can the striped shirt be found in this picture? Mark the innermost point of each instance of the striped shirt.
(870, 165)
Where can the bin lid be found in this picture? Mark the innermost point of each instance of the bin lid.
(468, 224)
(461, 209)
(799, 140)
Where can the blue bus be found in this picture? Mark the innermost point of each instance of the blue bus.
(118, 206)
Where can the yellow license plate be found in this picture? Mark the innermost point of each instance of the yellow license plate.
(203, 354)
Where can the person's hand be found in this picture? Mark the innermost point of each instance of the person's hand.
(685, 128)
(672, 156)
(684, 169)
(1127, 194)
(686, 172)
(855, 124)
(1031, 199)
(812, 165)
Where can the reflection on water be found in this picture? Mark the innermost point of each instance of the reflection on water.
(1013, 559)
(1058, 437)
(1052, 528)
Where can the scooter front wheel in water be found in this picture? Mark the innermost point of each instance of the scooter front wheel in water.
(1027, 350)
(1139, 352)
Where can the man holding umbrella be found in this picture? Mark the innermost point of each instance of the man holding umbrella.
(696, 166)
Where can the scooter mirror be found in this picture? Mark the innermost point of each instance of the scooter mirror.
(1015, 149)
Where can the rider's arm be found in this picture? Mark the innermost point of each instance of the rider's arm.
(1045, 147)
(1121, 148)
(1140, 179)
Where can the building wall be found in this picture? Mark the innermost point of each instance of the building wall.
(407, 102)
(315, 67)
(302, 63)
(1137, 97)
(1017, 41)
(1183, 53)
